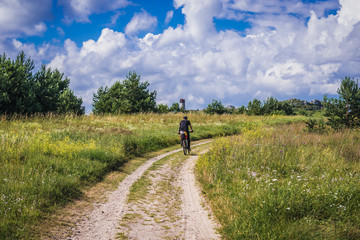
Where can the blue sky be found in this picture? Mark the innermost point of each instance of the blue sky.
(228, 50)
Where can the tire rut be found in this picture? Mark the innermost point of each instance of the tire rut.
(181, 222)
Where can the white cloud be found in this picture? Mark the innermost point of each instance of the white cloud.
(80, 10)
(199, 17)
(115, 17)
(38, 54)
(60, 31)
(281, 56)
(140, 22)
(246, 7)
(95, 64)
(349, 14)
(17, 17)
(169, 16)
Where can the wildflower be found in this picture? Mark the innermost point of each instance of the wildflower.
(287, 208)
(342, 207)
(274, 180)
(254, 174)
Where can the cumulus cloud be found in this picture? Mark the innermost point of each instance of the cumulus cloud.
(21, 18)
(349, 12)
(80, 10)
(199, 17)
(38, 53)
(89, 66)
(17, 17)
(280, 56)
(140, 22)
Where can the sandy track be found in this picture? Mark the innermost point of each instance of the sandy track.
(189, 222)
(101, 223)
(197, 222)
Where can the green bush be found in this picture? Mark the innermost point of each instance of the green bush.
(314, 125)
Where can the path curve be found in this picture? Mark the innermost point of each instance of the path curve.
(102, 222)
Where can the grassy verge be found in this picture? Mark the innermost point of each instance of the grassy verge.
(283, 183)
(45, 162)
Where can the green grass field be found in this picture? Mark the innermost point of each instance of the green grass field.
(280, 182)
(47, 161)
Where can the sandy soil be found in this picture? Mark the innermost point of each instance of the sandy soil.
(198, 225)
(172, 208)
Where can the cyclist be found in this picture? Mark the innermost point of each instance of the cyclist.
(184, 126)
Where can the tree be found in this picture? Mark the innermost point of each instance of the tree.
(68, 102)
(345, 111)
(162, 108)
(272, 106)
(23, 92)
(101, 101)
(128, 96)
(53, 93)
(254, 107)
(216, 107)
(16, 85)
(286, 108)
(240, 110)
(175, 108)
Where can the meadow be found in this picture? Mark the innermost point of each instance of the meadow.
(45, 162)
(281, 182)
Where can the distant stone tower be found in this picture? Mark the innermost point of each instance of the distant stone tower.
(182, 104)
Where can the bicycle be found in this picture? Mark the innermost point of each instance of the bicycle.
(185, 142)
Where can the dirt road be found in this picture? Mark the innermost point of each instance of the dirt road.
(160, 200)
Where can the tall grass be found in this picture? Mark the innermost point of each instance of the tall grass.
(46, 161)
(281, 182)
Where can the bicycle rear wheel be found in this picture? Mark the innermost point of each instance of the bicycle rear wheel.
(185, 146)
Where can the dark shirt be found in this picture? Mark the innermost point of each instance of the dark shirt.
(184, 125)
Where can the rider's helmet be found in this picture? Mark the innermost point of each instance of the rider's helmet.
(185, 117)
